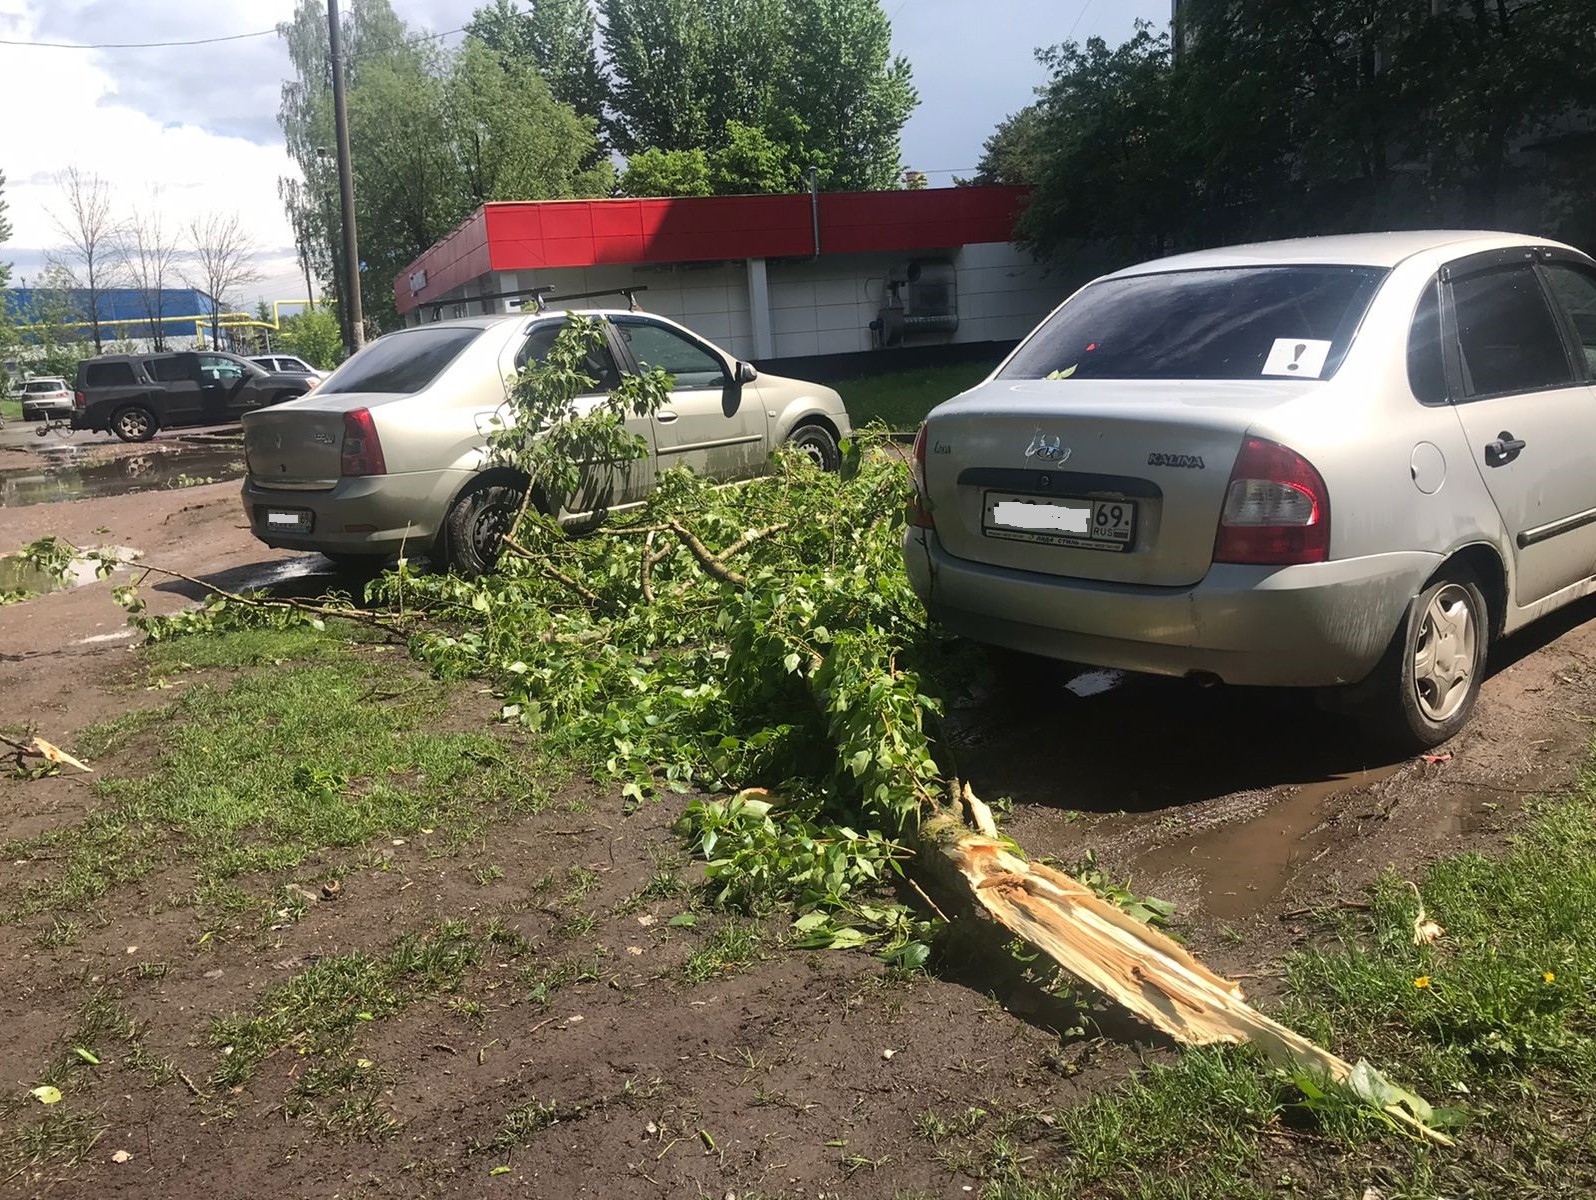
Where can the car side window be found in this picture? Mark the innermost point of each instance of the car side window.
(1574, 285)
(216, 369)
(661, 346)
(1426, 367)
(1507, 336)
(599, 363)
(172, 368)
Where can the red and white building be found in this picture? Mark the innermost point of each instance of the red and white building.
(767, 277)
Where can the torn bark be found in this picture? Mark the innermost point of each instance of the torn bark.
(1130, 962)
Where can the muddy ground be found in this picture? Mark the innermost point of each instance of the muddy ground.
(1247, 809)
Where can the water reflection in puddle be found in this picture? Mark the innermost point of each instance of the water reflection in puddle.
(56, 473)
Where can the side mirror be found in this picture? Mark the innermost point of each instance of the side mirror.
(746, 372)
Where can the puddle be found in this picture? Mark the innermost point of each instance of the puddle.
(16, 575)
(1092, 683)
(63, 473)
(1241, 867)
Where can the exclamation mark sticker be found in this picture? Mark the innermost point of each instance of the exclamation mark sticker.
(1297, 352)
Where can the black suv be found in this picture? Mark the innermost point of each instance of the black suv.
(133, 395)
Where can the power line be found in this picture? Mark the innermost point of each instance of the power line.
(1085, 8)
(232, 37)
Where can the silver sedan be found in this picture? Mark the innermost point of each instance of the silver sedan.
(1344, 463)
(391, 452)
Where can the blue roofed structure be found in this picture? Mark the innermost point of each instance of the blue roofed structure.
(126, 314)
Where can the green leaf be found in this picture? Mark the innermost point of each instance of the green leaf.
(87, 1056)
(684, 920)
(500, 1170)
(364, 1016)
(46, 1094)
(811, 921)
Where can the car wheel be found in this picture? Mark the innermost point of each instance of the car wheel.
(134, 424)
(816, 444)
(1424, 689)
(475, 527)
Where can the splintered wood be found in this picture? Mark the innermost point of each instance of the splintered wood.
(1126, 960)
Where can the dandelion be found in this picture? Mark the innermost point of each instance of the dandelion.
(1423, 981)
(1549, 976)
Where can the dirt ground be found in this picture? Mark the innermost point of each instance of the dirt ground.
(1244, 808)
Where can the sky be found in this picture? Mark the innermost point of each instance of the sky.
(194, 130)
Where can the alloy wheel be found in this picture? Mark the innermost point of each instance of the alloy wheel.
(1444, 653)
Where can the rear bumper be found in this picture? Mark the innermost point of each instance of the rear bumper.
(374, 514)
(1315, 625)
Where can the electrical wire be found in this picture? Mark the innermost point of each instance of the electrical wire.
(231, 37)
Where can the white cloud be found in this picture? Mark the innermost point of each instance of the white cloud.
(68, 108)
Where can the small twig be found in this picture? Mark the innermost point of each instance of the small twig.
(554, 572)
(362, 615)
(706, 557)
(192, 1086)
(931, 902)
(647, 586)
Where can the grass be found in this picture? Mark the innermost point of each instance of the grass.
(322, 1009)
(11, 409)
(1498, 1016)
(327, 748)
(902, 398)
(732, 947)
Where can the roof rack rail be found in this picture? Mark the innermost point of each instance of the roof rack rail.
(542, 295)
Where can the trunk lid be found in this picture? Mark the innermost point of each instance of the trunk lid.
(1014, 467)
(298, 445)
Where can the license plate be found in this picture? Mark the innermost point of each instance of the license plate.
(1084, 524)
(289, 521)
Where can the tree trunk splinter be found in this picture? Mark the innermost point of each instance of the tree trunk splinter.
(1130, 962)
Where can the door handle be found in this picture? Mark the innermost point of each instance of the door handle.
(665, 416)
(1503, 450)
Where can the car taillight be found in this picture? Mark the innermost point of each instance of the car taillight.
(79, 400)
(362, 453)
(919, 508)
(1277, 509)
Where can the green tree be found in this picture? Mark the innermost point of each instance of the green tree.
(559, 37)
(510, 139)
(751, 161)
(433, 134)
(314, 336)
(1014, 152)
(849, 90)
(667, 173)
(8, 318)
(5, 232)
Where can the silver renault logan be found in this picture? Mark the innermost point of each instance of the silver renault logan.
(1344, 463)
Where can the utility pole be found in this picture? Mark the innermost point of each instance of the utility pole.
(346, 183)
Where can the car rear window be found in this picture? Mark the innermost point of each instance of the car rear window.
(401, 362)
(116, 374)
(1230, 323)
(36, 386)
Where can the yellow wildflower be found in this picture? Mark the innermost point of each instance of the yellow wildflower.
(1423, 981)
(1549, 976)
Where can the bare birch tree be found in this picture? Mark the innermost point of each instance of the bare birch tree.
(147, 251)
(222, 260)
(89, 255)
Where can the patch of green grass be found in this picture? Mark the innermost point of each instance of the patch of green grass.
(327, 750)
(1498, 1015)
(734, 946)
(322, 1009)
(242, 648)
(902, 398)
(523, 1122)
(57, 1138)
(542, 980)
(10, 409)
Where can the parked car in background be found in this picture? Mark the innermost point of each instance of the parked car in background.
(45, 397)
(1345, 463)
(391, 451)
(133, 395)
(286, 364)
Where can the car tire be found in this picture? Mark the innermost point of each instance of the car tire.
(1424, 690)
(473, 531)
(816, 444)
(135, 423)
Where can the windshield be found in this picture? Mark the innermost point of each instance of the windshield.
(1234, 323)
(401, 362)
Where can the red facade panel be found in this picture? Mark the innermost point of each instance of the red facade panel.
(585, 233)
